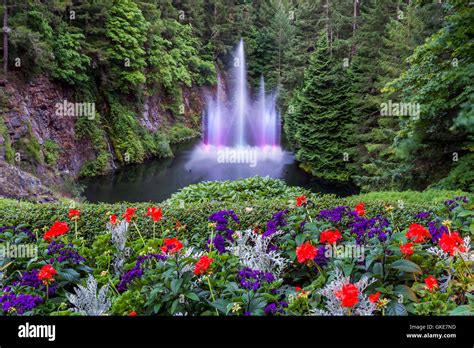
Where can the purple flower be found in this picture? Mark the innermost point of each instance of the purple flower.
(321, 259)
(436, 231)
(21, 303)
(64, 252)
(423, 215)
(334, 215)
(453, 203)
(251, 279)
(277, 220)
(221, 219)
(218, 243)
(276, 308)
(137, 271)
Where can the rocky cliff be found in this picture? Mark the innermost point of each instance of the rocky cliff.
(38, 141)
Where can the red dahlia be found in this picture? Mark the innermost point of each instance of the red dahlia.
(155, 213)
(58, 228)
(451, 242)
(418, 232)
(172, 245)
(113, 219)
(407, 248)
(46, 274)
(300, 200)
(203, 265)
(74, 214)
(431, 283)
(330, 236)
(129, 214)
(359, 208)
(374, 298)
(306, 252)
(349, 295)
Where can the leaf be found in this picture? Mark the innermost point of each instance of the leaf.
(174, 305)
(221, 305)
(176, 285)
(406, 292)
(192, 296)
(407, 266)
(396, 309)
(377, 269)
(463, 310)
(299, 239)
(70, 275)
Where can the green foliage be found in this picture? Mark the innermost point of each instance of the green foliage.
(71, 65)
(7, 143)
(180, 132)
(50, 152)
(125, 30)
(439, 78)
(319, 116)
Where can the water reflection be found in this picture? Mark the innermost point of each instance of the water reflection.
(158, 179)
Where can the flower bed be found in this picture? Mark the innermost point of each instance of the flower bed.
(304, 259)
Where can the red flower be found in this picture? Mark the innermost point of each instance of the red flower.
(172, 245)
(431, 283)
(132, 314)
(46, 274)
(155, 213)
(374, 298)
(330, 236)
(300, 200)
(418, 232)
(74, 214)
(359, 208)
(129, 214)
(306, 252)
(298, 288)
(407, 248)
(451, 242)
(203, 265)
(113, 219)
(57, 229)
(349, 295)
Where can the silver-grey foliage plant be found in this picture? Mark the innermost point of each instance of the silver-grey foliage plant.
(88, 301)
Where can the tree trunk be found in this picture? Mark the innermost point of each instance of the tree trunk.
(5, 37)
(354, 27)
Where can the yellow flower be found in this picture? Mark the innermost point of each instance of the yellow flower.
(236, 307)
(389, 208)
(447, 223)
(212, 225)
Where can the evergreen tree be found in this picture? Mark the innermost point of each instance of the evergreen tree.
(440, 79)
(320, 114)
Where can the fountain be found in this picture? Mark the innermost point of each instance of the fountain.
(238, 121)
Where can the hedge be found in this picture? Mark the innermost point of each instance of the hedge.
(254, 200)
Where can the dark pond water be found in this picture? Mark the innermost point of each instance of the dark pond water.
(156, 180)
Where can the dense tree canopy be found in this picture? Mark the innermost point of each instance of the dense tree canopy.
(335, 65)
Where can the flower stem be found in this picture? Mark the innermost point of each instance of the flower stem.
(154, 229)
(212, 293)
(141, 237)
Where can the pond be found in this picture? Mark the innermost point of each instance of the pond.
(157, 179)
